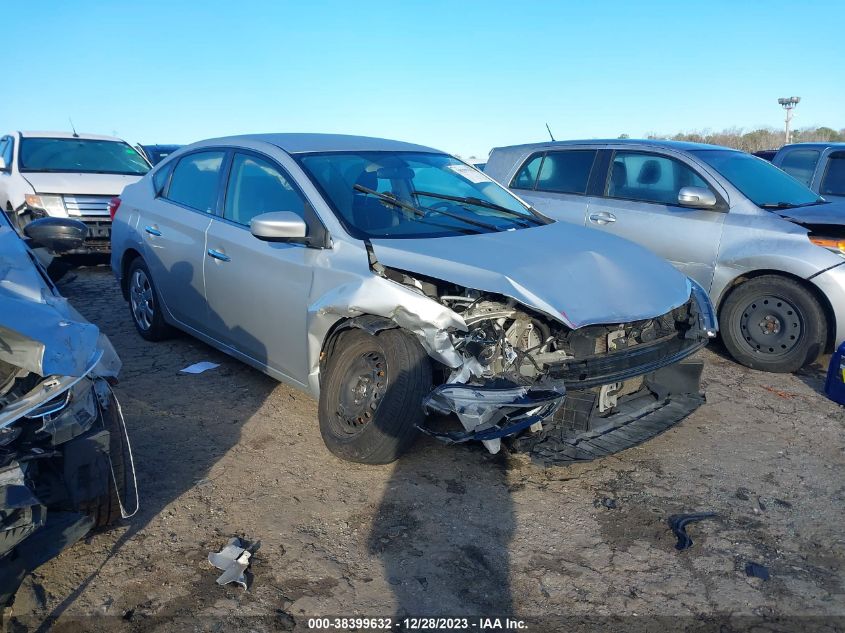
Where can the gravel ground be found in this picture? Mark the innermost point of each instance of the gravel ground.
(450, 530)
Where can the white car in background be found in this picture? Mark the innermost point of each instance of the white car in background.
(63, 174)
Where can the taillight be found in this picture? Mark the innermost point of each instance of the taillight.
(114, 205)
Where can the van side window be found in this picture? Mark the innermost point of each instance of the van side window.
(566, 171)
(647, 177)
(527, 176)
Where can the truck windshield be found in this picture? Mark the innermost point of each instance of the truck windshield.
(413, 195)
(760, 181)
(79, 155)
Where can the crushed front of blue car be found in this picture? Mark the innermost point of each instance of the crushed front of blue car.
(65, 460)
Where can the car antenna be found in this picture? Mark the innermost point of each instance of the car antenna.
(75, 135)
(550, 131)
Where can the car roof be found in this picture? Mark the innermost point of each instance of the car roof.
(299, 143)
(82, 135)
(814, 145)
(648, 142)
(161, 147)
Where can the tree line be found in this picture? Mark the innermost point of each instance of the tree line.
(755, 140)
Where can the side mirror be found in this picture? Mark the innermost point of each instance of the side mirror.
(696, 197)
(59, 235)
(278, 226)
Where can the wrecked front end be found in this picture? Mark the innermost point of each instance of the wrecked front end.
(558, 392)
(65, 460)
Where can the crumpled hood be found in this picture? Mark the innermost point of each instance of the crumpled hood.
(574, 274)
(79, 184)
(39, 330)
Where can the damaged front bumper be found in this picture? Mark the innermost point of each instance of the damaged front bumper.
(489, 413)
(629, 389)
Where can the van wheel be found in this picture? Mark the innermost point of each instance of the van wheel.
(773, 323)
(144, 304)
(371, 397)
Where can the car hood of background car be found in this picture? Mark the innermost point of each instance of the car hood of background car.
(79, 184)
(825, 213)
(573, 274)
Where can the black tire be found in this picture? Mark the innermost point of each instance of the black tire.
(371, 396)
(148, 318)
(773, 323)
(106, 509)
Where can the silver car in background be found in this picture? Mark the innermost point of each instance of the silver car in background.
(769, 251)
(392, 281)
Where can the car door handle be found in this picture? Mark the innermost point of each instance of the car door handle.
(223, 257)
(602, 217)
(152, 231)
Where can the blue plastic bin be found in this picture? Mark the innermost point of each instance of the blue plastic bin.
(834, 386)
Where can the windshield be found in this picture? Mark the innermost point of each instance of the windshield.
(760, 181)
(413, 194)
(77, 155)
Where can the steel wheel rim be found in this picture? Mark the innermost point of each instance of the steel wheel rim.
(771, 326)
(361, 391)
(141, 299)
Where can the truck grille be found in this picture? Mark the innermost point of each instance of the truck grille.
(87, 205)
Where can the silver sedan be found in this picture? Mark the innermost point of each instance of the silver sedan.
(396, 283)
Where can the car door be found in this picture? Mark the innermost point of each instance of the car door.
(258, 290)
(640, 203)
(174, 225)
(555, 182)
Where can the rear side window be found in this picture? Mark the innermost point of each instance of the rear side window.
(800, 164)
(649, 177)
(527, 176)
(833, 182)
(195, 180)
(257, 186)
(566, 172)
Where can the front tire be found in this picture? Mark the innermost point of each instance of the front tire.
(773, 323)
(371, 397)
(144, 303)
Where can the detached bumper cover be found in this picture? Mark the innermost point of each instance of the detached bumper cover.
(489, 412)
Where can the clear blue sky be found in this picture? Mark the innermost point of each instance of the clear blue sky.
(463, 76)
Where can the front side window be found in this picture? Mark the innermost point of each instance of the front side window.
(761, 182)
(647, 177)
(78, 155)
(413, 195)
(256, 186)
(800, 164)
(833, 183)
(6, 150)
(195, 179)
(566, 172)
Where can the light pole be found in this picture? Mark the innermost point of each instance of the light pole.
(788, 104)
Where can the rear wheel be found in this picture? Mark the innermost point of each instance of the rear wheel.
(773, 323)
(371, 397)
(144, 304)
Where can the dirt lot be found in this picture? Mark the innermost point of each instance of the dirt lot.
(449, 530)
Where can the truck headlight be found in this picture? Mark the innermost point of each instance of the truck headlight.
(705, 306)
(53, 205)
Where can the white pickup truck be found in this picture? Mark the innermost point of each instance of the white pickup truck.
(63, 174)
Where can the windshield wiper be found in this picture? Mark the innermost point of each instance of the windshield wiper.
(480, 203)
(420, 211)
(790, 205)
